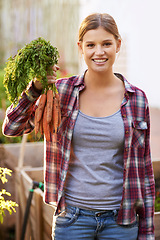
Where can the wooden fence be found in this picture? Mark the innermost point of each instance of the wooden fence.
(56, 20)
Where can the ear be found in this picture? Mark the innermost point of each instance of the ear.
(118, 45)
(79, 43)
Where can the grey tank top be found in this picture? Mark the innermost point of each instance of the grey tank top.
(95, 177)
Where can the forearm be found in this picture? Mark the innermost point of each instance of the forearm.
(20, 119)
(146, 223)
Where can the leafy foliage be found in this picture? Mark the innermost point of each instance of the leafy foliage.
(8, 205)
(157, 202)
(33, 60)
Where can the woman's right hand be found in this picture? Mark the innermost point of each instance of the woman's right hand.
(51, 78)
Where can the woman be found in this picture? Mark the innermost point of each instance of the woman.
(99, 176)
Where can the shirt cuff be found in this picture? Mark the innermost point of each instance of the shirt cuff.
(32, 93)
(146, 237)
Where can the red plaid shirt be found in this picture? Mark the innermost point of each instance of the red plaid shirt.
(138, 180)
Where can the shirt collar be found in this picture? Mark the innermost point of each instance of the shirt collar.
(128, 87)
(80, 80)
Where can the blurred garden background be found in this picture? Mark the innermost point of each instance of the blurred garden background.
(58, 21)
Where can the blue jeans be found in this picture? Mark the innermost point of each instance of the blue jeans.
(76, 224)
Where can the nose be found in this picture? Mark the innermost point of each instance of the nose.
(99, 50)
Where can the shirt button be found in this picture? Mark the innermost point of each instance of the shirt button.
(126, 149)
(127, 131)
(124, 115)
(98, 214)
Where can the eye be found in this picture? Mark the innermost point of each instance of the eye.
(107, 44)
(90, 45)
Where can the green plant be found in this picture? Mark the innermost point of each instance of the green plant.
(2, 89)
(8, 205)
(33, 60)
(4, 102)
(157, 202)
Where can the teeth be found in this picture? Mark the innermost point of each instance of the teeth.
(99, 60)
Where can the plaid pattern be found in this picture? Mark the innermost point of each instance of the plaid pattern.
(138, 181)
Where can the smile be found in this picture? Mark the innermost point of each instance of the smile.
(100, 60)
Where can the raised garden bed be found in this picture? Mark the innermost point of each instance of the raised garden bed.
(39, 224)
(40, 216)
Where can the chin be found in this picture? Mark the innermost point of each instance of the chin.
(100, 70)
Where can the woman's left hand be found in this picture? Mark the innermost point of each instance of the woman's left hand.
(51, 78)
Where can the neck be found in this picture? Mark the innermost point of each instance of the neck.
(100, 80)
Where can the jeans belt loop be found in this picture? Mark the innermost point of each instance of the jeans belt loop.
(77, 211)
(115, 212)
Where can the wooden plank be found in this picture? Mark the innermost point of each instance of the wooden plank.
(36, 174)
(48, 212)
(18, 212)
(157, 224)
(38, 216)
(22, 150)
(41, 215)
(47, 233)
(22, 200)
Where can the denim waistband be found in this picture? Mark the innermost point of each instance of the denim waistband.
(94, 213)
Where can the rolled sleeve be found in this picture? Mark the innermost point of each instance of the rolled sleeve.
(146, 223)
(20, 119)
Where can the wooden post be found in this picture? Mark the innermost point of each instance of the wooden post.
(21, 155)
(38, 215)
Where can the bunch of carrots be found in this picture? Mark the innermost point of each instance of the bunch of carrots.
(48, 114)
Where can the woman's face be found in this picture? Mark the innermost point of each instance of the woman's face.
(99, 48)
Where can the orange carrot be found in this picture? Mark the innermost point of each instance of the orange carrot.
(41, 126)
(54, 139)
(41, 106)
(51, 127)
(49, 105)
(55, 114)
(57, 96)
(46, 125)
(48, 115)
(59, 108)
(36, 123)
